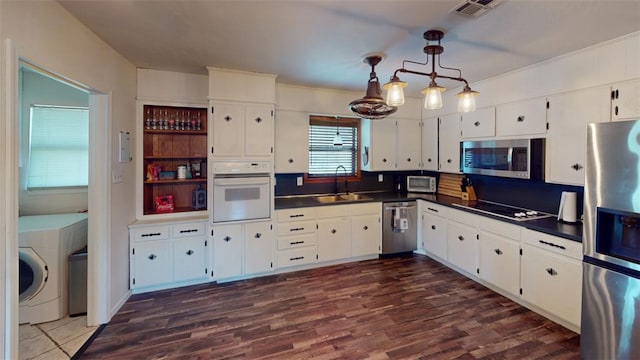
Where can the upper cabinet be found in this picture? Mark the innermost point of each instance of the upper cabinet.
(449, 145)
(292, 142)
(479, 123)
(430, 144)
(408, 139)
(522, 118)
(390, 144)
(625, 101)
(568, 116)
(242, 114)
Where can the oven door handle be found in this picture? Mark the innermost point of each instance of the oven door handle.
(240, 181)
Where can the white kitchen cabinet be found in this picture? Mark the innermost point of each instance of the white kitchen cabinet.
(292, 142)
(227, 250)
(449, 144)
(296, 237)
(522, 118)
(242, 130)
(568, 116)
(334, 239)
(462, 240)
(479, 123)
(430, 144)
(434, 229)
(167, 254)
(500, 254)
(259, 247)
(378, 144)
(625, 101)
(408, 144)
(552, 275)
(366, 235)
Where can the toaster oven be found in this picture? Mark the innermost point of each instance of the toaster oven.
(423, 184)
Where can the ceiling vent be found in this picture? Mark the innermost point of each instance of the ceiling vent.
(475, 8)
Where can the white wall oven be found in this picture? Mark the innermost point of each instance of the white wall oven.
(241, 191)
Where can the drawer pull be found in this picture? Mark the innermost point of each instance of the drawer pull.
(576, 166)
(151, 257)
(258, 120)
(228, 118)
(296, 229)
(227, 238)
(151, 234)
(257, 235)
(290, 161)
(408, 159)
(189, 252)
(296, 242)
(365, 227)
(460, 237)
(296, 258)
(498, 251)
(552, 244)
(521, 118)
(477, 123)
(384, 160)
(296, 215)
(432, 209)
(449, 161)
(433, 227)
(333, 231)
(551, 272)
(188, 231)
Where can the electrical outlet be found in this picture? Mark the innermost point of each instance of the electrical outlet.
(380, 178)
(299, 181)
(117, 175)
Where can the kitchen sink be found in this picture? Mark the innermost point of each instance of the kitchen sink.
(338, 198)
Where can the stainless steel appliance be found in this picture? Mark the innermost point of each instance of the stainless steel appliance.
(505, 211)
(241, 191)
(399, 227)
(610, 326)
(422, 184)
(517, 158)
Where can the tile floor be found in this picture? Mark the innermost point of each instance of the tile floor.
(55, 340)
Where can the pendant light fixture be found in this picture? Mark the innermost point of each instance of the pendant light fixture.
(372, 105)
(433, 93)
(337, 139)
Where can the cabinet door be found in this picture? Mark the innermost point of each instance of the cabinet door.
(434, 230)
(625, 103)
(227, 251)
(479, 123)
(522, 118)
(380, 152)
(151, 264)
(462, 246)
(552, 282)
(366, 235)
(259, 247)
(449, 145)
(430, 144)
(408, 139)
(568, 116)
(500, 262)
(228, 129)
(189, 259)
(292, 142)
(334, 239)
(258, 139)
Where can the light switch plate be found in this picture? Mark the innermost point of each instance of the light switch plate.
(380, 178)
(299, 181)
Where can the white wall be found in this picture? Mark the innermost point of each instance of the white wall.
(39, 89)
(45, 34)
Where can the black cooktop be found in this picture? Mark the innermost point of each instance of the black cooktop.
(505, 211)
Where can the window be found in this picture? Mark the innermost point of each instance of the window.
(324, 156)
(58, 147)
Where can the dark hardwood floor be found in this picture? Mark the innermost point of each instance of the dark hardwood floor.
(405, 307)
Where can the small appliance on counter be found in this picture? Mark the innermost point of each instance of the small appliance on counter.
(567, 211)
(421, 184)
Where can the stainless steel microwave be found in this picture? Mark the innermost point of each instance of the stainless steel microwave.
(516, 158)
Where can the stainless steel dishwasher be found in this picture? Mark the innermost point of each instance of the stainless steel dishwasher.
(399, 227)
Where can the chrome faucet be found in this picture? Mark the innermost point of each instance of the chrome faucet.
(346, 190)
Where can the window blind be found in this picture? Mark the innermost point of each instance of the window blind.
(58, 147)
(324, 157)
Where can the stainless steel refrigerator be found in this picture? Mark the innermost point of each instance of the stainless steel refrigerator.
(610, 326)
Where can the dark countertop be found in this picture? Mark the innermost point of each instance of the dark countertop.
(549, 225)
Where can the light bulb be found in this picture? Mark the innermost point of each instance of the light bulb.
(433, 97)
(395, 94)
(467, 100)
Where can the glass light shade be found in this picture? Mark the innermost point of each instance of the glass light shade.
(395, 94)
(433, 97)
(337, 140)
(467, 100)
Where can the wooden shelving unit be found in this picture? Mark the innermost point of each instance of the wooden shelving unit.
(173, 136)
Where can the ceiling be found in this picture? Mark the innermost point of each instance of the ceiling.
(321, 43)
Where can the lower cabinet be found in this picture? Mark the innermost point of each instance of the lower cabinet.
(168, 254)
(242, 249)
(552, 275)
(334, 237)
(500, 262)
(296, 237)
(366, 235)
(462, 241)
(434, 229)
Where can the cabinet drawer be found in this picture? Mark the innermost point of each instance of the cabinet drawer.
(188, 229)
(435, 209)
(553, 243)
(348, 210)
(295, 257)
(501, 228)
(296, 241)
(151, 233)
(298, 227)
(295, 214)
(464, 217)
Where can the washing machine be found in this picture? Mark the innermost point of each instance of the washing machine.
(45, 242)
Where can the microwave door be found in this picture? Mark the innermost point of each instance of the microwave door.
(510, 158)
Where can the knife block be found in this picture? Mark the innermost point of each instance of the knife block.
(469, 194)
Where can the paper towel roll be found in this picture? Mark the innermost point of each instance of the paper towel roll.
(568, 207)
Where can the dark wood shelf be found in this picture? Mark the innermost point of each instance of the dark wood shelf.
(175, 181)
(175, 157)
(175, 210)
(176, 132)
